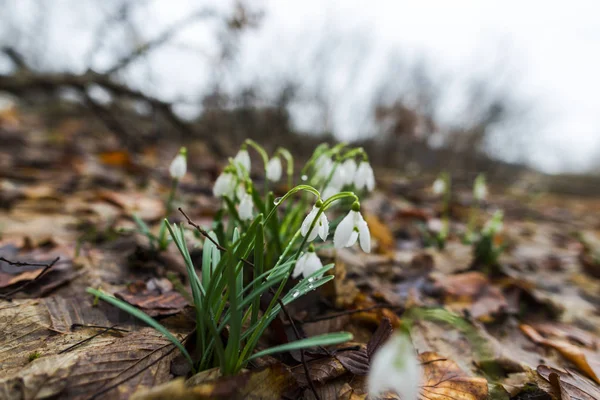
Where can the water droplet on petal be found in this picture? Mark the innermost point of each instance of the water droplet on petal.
(304, 178)
(295, 294)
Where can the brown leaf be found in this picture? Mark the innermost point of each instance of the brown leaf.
(118, 158)
(383, 332)
(587, 360)
(569, 385)
(444, 380)
(149, 209)
(152, 301)
(355, 361)
(474, 292)
(381, 233)
(267, 383)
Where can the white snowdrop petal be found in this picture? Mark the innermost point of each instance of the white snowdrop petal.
(245, 209)
(360, 179)
(308, 221)
(178, 167)
(395, 366)
(329, 191)
(300, 265)
(274, 169)
(350, 168)
(224, 185)
(343, 231)
(364, 236)
(243, 157)
(323, 226)
(313, 264)
(352, 238)
(370, 182)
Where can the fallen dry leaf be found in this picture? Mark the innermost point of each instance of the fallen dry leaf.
(587, 360)
(569, 385)
(267, 383)
(381, 233)
(474, 292)
(444, 380)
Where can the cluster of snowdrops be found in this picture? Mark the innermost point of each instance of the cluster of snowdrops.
(260, 243)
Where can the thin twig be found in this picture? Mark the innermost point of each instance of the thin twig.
(23, 263)
(114, 328)
(103, 331)
(349, 312)
(304, 364)
(207, 236)
(7, 296)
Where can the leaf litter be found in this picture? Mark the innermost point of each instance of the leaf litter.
(532, 326)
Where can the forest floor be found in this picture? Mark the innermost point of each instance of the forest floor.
(529, 329)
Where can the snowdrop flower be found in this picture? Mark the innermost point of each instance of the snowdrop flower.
(480, 188)
(494, 225)
(439, 186)
(225, 184)
(349, 166)
(394, 366)
(242, 159)
(274, 169)
(351, 228)
(245, 208)
(307, 264)
(364, 177)
(323, 167)
(178, 166)
(321, 227)
(330, 190)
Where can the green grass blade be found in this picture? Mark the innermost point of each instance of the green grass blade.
(143, 317)
(321, 340)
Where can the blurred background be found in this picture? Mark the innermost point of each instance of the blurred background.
(509, 88)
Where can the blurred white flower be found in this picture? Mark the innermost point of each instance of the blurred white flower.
(349, 166)
(395, 366)
(225, 185)
(242, 159)
(480, 190)
(307, 264)
(329, 191)
(245, 208)
(364, 177)
(494, 225)
(323, 167)
(439, 186)
(274, 169)
(435, 225)
(321, 228)
(178, 166)
(353, 227)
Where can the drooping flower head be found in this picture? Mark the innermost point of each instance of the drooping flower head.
(307, 264)
(351, 228)
(364, 177)
(395, 366)
(178, 166)
(242, 160)
(320, 228)
(274, 169)
(439, 186)
(349, 166)
(323, 167)
(246, 206)
(480, 188)
(225, 183)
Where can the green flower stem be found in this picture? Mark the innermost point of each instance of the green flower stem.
(289, 159)
(260, 151)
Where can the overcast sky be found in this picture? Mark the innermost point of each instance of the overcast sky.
(547, 53)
